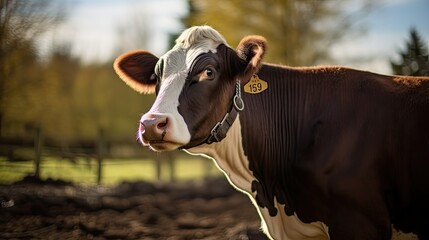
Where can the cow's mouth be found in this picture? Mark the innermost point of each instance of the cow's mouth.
(160, 145)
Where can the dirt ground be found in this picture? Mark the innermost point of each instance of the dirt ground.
(206, 209)
(209, 209)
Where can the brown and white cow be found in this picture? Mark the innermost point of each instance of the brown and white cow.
(323, 152)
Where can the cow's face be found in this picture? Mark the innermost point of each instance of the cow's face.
(194, 83)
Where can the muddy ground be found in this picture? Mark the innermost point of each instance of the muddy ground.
(206, 209)
(209, 209)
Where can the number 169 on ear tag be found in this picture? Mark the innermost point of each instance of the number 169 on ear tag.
(255, 85)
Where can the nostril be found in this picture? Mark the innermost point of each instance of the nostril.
(153, 128)
(163, 124)
(141, 127)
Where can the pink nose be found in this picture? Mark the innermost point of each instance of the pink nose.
(153, 129)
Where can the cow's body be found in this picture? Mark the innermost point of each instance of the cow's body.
(324, 152)
(335, 142)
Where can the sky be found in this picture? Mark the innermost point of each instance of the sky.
(388, 28)
(92, 28)
(92, 25)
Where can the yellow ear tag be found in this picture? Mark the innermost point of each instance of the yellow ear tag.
(255, 85)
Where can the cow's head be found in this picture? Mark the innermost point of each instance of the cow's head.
(195, 83)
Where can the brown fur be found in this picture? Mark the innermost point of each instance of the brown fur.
(335, 145)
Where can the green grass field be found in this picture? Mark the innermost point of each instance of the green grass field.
(114, 171)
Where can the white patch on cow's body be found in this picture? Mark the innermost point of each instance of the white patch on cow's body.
(177, 63)
(229, 157)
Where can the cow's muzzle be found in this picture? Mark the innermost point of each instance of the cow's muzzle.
(162, 131)
(153, 130)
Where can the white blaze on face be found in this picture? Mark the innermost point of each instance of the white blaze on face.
(167, 101)
(176, 66)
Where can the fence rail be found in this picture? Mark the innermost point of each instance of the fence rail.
(97, 155)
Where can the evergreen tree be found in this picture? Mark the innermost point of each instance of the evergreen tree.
(414, 59)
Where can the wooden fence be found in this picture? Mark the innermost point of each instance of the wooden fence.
(99, 149)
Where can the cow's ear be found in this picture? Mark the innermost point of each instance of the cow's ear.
(251, 49)
(136, 69)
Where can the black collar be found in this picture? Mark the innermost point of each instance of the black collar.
(221, 128)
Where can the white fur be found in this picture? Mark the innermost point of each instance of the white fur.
(197, 36)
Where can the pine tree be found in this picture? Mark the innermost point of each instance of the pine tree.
(414, 59)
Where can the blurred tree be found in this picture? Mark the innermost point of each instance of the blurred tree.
(100, 100)
(70, 100)
(57, 111)
(20, 23)
(414, 59)
(298, 32)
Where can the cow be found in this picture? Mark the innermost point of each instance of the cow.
(323, 152)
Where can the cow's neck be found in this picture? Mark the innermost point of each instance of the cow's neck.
(262, 144)
(272, 125)
(229, 157)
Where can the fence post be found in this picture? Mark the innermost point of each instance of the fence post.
(158, 163)
(38, 146)
(101, 149)
(172, 162)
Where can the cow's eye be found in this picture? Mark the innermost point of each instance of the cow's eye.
(208, 74)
